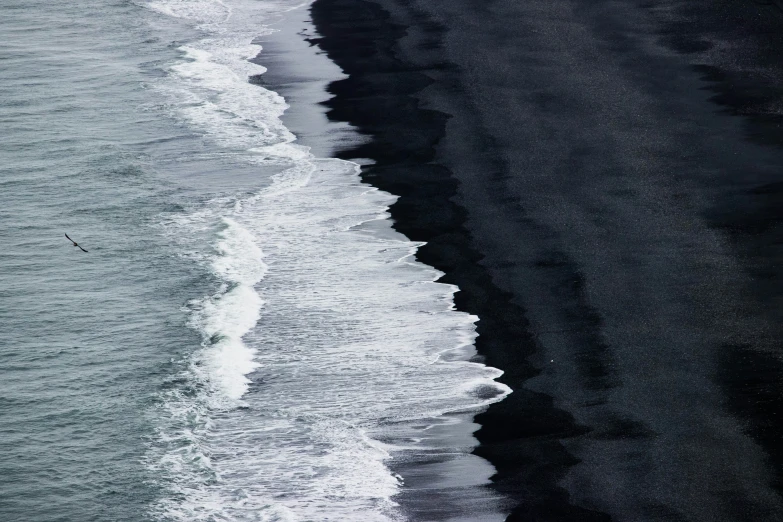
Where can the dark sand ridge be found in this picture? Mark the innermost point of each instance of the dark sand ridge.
(603, 182)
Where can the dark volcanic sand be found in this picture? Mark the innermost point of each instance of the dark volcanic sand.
(603, 181)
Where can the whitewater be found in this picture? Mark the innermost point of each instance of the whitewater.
(313, 350)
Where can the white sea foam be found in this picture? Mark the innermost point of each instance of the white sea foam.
(208, 13)
(225, 317)
(322, 331)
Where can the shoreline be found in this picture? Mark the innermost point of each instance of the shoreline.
(610, 227)
(403, 150)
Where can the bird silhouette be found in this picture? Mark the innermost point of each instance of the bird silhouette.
(75, 243)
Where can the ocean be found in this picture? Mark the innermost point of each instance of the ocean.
(247, 338)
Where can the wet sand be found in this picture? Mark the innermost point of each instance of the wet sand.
(603, 181)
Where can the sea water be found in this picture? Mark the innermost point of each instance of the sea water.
(246, 328)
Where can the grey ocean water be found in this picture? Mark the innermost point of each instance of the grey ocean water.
(246, 327)
(85, 339)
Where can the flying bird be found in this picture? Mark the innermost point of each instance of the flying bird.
(75, 243)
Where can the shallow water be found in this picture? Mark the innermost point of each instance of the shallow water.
(246, 327)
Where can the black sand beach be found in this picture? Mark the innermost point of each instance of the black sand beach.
(603, 182)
